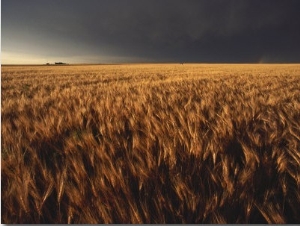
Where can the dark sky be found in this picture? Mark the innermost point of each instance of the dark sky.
(112, 31)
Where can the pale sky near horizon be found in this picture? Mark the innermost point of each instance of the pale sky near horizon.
(114, 31)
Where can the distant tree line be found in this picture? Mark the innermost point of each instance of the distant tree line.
(57, 63)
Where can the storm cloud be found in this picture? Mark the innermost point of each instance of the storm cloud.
(153, 31)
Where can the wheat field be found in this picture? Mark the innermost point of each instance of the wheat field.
(150, 143)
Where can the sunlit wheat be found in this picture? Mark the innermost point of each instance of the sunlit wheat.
(150, 144)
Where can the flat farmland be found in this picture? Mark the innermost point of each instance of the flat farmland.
(150, 143)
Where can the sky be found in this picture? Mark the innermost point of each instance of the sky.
(127, 31)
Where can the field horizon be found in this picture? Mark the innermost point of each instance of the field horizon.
(150, 143)
(155, 63)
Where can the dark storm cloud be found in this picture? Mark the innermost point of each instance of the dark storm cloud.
(165, 30)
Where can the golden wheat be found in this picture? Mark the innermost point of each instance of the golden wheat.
(189, 143)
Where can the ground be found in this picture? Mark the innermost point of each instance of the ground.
(150, 143)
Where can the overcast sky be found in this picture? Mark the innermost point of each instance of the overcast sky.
(113, 31)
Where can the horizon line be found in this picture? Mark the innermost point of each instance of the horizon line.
(122, 63)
